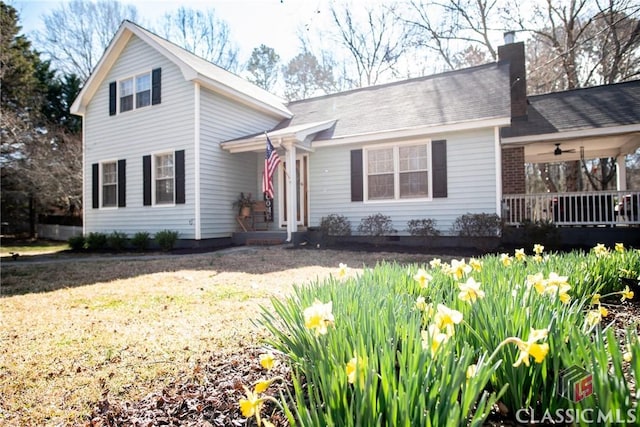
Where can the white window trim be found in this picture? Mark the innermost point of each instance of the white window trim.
(396, 172)
(153, 179)
(101, 185)
(133, 77)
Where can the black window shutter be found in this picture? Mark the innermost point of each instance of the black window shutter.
(95, 186)
(122, 183)
(112, 98)
(179, 160)
(357, 194)
(439, 164)
(146, 180)
(156, 86)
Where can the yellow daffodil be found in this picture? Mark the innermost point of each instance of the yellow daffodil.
(600, 250)
(459, 269)
(565, 298)
(472, 370)
(423, 278)
(475, 264)
(432, 339)
(351, 369)
(603, 311)
(593, 317)
(421, 303)
(251, 405)
(520, 255)
(595, 299)
(537, 281)
(435, 263)
(342, 271)
(445, 318)
(262, 385)
(627, 293)
(538, 258)
(318, 317)
(267, 361)
(627, 356)
(538, 249)
(470, 291)
(505, 259)
(531, 348)
(619, 247)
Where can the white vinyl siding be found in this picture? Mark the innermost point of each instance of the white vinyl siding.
(224, 175)
(471, 183)
(109, 178)
(163, 128)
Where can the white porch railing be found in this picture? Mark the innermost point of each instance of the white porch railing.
(588, 208)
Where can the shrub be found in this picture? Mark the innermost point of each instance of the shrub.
(166, 239)
(335, 225)
(422, 227)
(96, 241)
(477, 225)
(76, 243)
(543, 232)
(117, 240)
(141, 241)
(376, 225)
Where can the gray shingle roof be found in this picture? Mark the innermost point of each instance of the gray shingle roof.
(470, 94)
(588, 108)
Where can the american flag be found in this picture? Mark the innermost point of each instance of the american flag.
(271, 161)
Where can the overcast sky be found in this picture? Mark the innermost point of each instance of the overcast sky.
(251, 22)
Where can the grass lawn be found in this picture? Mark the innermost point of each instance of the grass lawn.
(31, 247)
(73, 332)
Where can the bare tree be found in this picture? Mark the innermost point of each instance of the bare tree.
(202, 33)
(304, 76)
(263, 67)
(375, 43)
(78, 32)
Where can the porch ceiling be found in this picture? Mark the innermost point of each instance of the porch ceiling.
(594, 146)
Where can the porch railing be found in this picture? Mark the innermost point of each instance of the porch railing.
(571, 209)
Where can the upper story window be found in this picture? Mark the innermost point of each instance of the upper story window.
(397, 172)
(135, 91)
(109, 184)
(164, 178)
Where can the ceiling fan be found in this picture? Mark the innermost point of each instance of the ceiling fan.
(558, 151)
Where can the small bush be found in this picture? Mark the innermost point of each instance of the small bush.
(140, 241)
(117, 240)
(166, 239)
(477, 225)
(376, 225)
(422, 227)
(542, 232)
(335, 225)
(96, 241)
(76, 243)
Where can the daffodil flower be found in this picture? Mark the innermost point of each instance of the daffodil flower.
(595, 299)
(593, 317)
(342, 271)
(421, 303)
(459, 269)
(520, 255)
(505, 259)
(446, 317)
(538, 258)
(470, 291)
(262, 385)
(475, 264)
(318, 317)
(435, 263)
(538, 249)
(422, 277)
(600, 250)
(626, 293)
(433, 338)
(251, 405)
(267, 361)
(531, 348)
(472, 370)
(603, 311)
(619, 247)
(627, 356)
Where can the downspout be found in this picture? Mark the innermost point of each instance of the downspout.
(196, 137)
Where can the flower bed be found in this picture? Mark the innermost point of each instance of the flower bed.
(521, 336)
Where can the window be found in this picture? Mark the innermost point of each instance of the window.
(397, 172)
(138, 87)
(164, 178)
(109, 184)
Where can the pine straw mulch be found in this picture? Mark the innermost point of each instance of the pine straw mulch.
(208, 396)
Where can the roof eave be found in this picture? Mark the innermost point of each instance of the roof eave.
(559, 136)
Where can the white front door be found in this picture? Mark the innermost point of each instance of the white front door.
(302, 199)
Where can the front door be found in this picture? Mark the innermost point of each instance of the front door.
(302, 172)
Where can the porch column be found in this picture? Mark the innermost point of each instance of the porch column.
(621, 173)
(292, 193)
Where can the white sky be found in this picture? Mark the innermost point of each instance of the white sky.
(251, 22)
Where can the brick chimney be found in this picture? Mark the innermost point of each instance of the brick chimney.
(514, 54)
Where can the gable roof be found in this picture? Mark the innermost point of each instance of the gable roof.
(192, 67)
(599, 107)
(469, 95)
